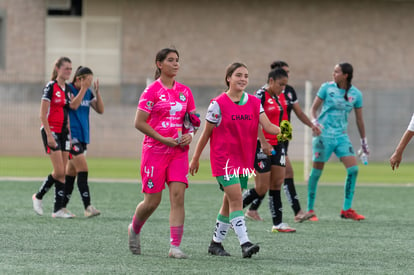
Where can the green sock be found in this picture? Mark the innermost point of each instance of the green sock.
(314, 176)
(352, 173)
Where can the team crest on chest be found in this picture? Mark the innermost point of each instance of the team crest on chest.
(182, 97)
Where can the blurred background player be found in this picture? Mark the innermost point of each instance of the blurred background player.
(160, 116)
(337, 99)
(289, 101)
(396, 157)
(55, 132)
(232, 125)
(79, 128)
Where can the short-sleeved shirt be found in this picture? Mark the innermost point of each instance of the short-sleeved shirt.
(287, 99)
(59, 105)
(335, 109)
(273, 109)
(411, 125)
(79, 118)
(166, 108)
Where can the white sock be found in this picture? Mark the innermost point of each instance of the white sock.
(239, 227)
(220, 231)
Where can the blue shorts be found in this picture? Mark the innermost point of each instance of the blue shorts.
(323, 147)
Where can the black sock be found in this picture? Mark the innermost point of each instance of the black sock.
(84, 188)
(256, 203)
(291, 195)
(59, 195)
(46, 185)
(69, 182)
(249, 196)
(275, 205)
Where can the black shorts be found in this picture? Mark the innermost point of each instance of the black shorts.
(62, 140)
(263, 163)
(77, 148)
(286, 143)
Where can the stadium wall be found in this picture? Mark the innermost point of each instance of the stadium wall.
(312, 36)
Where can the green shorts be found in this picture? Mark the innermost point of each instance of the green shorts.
(225, 181)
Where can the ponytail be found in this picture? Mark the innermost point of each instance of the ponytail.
(58, 63)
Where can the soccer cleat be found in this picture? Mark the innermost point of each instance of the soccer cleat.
(37, 205)
(248, 249)
(351, 214)
(175, 252)
(283, 228)
(62, 214)
(133, 241)
(301, 216)
(217, 249)
(312, 215)
(253, 215)
(68, 212)
(91, 211)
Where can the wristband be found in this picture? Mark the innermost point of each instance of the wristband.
(192, 134)
(364, 141)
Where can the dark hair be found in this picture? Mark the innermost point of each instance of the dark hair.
(81, 71)
(58, 63)
(346, 68)
(278, 64)
(161, 56)
(277, 73)
(230, 70)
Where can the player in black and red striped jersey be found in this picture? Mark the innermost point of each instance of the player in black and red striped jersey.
(55, 132)
(289, 101)
(270, 153)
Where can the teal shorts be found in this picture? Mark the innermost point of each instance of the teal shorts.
(225, 181)
(323, 147)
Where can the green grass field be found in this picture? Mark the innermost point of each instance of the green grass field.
(30, 244)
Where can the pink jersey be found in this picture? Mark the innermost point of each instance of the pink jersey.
(167, 108)
(233, 142)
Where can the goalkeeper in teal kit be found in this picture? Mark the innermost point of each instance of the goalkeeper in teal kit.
(337, 99)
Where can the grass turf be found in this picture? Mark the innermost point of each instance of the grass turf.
(382, 244)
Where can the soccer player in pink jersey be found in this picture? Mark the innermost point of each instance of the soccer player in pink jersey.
(232, 126)
(161, 113)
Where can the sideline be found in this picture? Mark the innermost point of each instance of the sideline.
(136, 181)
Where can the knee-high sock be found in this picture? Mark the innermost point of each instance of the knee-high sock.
(222, 227)
(46, 185)
(256, 203)
(239, 226)
(314, 176)
(249, 196)
(275, 205)
(69, 182)
(291, 195)
(84, 188)
(352, 173)
(59, 195)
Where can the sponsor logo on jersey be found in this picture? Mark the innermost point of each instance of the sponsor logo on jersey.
(242, 117)
(175, 107)
(270, 101)
(162, 98)
(165, 124)
(58, 94)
